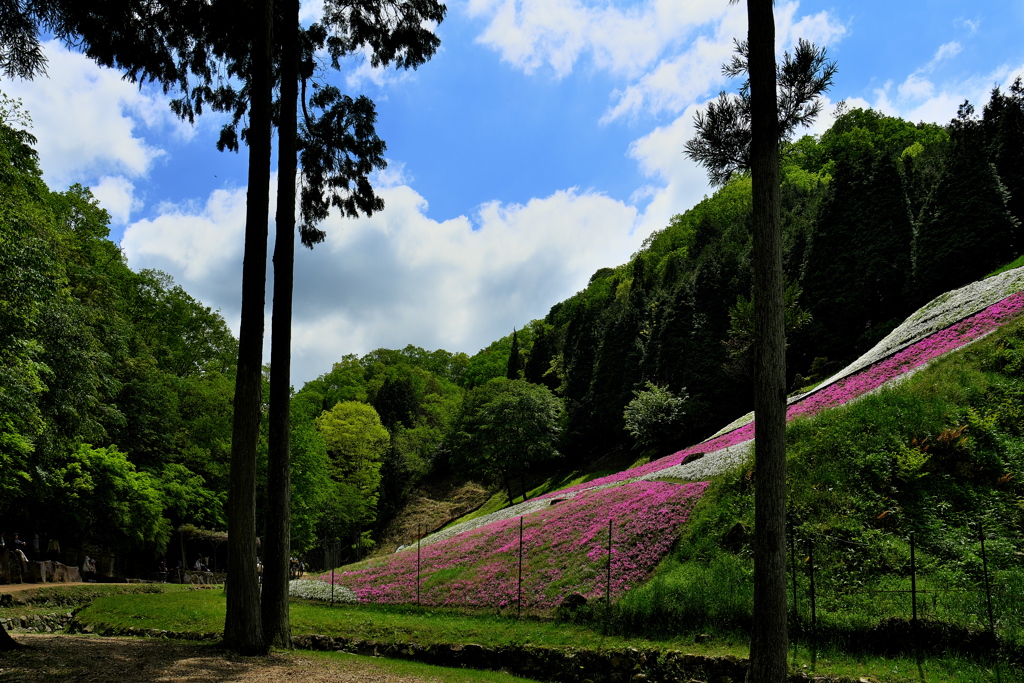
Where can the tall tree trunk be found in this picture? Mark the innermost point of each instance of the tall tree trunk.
(277, 541)
(243, 631)
(769, 641)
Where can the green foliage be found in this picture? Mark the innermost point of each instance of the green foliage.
(969, 191)
(93, 353)
(356, 442)
(653, 414)
(115, 505)
(506, 427)
(936, 456)
(493, 361)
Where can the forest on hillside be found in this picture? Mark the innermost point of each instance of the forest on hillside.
(116, 386)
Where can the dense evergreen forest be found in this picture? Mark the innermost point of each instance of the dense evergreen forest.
(116, 386)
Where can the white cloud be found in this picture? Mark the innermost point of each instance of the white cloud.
(916, 87)
(946, 51)
(919, 98)
(677, 182)
(680, 80)
(116, 194)
(972, 25)
(310, 11)
(200, 245)
(531, 34)
(672, 51)
(88, 120)
(400, 277)
(822, 28)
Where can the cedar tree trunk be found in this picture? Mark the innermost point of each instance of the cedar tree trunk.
(769, 640)
(277, 541)
(243, 632)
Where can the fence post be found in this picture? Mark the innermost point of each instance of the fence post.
(913, 582)
(988, 586)
(519, 586)
(792, 572)
(608, 583)
(814, 609)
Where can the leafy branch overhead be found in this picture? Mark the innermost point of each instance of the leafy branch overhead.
(337, 140)
(722, 143)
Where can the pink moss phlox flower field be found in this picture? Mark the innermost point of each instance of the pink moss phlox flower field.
(849, 387)
(565, 550)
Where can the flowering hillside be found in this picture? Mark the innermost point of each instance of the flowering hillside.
(565, 533)
(564, 551)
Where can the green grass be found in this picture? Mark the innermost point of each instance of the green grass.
(1009, 266)
(401, 667)
(934, 456)
(204, 611)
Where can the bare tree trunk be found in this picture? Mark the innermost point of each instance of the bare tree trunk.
(243, 631)
(769, 640)
(277, 541)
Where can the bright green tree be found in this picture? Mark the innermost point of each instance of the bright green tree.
(654, 414)
(506, 427)
(115, 504)
(356, 443)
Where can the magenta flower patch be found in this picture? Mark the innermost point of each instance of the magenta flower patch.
(565, 550)
(845, 389)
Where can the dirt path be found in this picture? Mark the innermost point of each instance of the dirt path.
(19, 587)
(93, 659)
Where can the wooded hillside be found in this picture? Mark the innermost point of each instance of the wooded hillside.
(116, 386)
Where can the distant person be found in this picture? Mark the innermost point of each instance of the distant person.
(18, 543)
(35, 546)
(3, 541)
(161, 571)
(89, 569)
(53, 549)
(20, 554)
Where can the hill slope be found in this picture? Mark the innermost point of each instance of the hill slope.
(567, 537)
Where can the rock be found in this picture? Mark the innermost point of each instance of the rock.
(571, 603)
(736, 538)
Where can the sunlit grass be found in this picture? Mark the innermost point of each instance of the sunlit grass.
(399, 667)
(1009, 266)
(203, 611)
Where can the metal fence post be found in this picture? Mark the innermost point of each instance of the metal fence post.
(814, 609)
(608, 583)
(792, 572)
(988, 586)
(419, 537)
(519, 586)
(913, 582)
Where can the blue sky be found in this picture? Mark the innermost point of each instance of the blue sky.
(541, 143)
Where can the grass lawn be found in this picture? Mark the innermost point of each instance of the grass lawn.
(204, 611)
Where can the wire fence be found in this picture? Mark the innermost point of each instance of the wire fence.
(913, 606)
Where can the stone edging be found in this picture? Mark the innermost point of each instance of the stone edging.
(568, 665)
(37, 623)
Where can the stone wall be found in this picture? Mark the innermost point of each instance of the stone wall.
(571, 665)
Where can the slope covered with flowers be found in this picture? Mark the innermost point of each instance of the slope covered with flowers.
(565, 533)
(564, 551)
